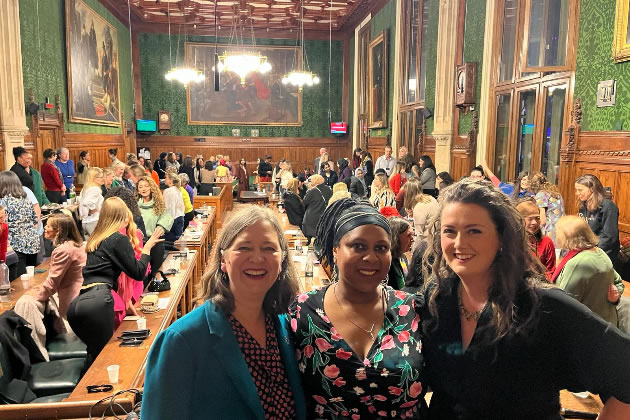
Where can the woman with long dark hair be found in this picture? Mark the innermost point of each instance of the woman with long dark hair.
(427, 175)
(368, 169)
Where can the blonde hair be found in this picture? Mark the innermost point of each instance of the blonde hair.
(340, 194)
(292, 185)
(118, 164)
(156, 194)
(92, 173)
(398, 169)
(316, 180)
(174, 177)
(114, 215)
(383, 183)
(572, 232)
(340, 187)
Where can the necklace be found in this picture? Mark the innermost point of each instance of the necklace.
(468, 315)
(370, 331)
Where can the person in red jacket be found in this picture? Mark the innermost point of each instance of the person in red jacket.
(541, 245)
(398, 177)
(52, 177)
(4, 234)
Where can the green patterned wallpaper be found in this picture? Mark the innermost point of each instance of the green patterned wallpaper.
(386, 19)
(594, 63)
(431, 43)
(44, 60)
(157, 93)
(473, 51)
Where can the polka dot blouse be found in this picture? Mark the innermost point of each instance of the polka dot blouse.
(267, 370)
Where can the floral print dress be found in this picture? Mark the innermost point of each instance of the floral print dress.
(554, 210)
(338, 385)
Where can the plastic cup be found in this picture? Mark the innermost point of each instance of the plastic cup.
(142, 323)
(112, 372)
(26, 281)
(30, 270)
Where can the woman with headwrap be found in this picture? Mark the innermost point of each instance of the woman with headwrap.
(358, 340)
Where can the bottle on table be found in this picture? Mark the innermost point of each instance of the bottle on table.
(5, 283)
(298, 245)
(72, 196)
(308, 272)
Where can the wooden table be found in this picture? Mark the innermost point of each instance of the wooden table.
(17, 290)
(221, 203)
(254, 197)
(198, 238)
(132, 360)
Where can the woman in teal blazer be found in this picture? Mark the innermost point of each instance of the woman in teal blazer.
(200, 366)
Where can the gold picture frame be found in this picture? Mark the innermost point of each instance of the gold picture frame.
(378, 94)
(621, 43)
(93, 67)
(262, 101)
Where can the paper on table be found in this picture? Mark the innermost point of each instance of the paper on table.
(163, 303)
(292, 232)
(300, 258)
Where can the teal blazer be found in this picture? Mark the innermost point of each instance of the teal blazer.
(196, 370)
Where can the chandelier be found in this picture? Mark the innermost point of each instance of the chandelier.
(239, 60)
(183, 74)
(303, 76)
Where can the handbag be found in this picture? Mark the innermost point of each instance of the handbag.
(149, 304)
(159, 285)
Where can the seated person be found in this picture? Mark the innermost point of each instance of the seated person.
(541, 246)
(402, 239)
(293, 204)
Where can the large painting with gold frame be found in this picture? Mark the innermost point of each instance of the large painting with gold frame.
(377, 77)
(92, 62)
(261, 100)
(621, 43)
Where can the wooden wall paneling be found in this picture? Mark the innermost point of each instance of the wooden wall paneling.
(97, 145)
(376, 147)
(301, 152)
(621, 196)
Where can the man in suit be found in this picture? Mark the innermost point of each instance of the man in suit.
(316, 168)
(358, 189)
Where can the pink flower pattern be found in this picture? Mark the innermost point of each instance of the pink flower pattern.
(338, 383)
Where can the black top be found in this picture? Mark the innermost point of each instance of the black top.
(190, 171)
(159, 166)
(294, 207)
(330, 179)
(603, 222)
(357, 189)
(521, 377)
(113, 256)
(315, 202)
(265, 169)
(80, 167)
(369, 173)
(26, 178)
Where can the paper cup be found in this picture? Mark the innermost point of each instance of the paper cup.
(112, 372)
(142, 323)
(30, 270)
(26, 281)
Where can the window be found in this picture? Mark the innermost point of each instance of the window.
(547, 34)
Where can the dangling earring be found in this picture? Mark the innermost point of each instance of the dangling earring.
(385, 281)
(334, 274)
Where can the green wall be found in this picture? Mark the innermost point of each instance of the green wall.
(473, 51)
(44, 59)
(158, 93)
(386, 19)
(594, 63)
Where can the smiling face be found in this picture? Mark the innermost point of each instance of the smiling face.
(525, 183)
(253, 262)
(582, 192)
(118, 171)
(50, 231)
(64, 155)
(476, 175)
(144, 190)
(363, 257)
(388, 152)
(470, 241)
(108, 178)
(531, 215)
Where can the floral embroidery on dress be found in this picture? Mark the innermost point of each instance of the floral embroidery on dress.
(554, 210)
(337, 384)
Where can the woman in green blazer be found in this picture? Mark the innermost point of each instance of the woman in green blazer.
(231, 358)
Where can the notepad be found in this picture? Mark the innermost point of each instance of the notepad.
(163, 303)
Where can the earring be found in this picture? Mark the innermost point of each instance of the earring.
(385, 281)
(334, 275)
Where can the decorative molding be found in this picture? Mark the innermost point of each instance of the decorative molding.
(620, 153)
(442, 139)
(568, 152)
(472, 136)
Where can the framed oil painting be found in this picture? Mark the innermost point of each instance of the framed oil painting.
(261, 100)
(621, 43)
(377, 76)
(93, 67)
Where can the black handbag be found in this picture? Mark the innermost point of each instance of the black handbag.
(159, 285)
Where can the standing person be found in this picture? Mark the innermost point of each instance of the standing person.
(242, 365)
(108, 180)
(319, 160)
(368, 169)
(109, 252)
(293, 204)
(222, 170)
(402, 239)
(422, 207)
(600, 212)
(382, 194)
(22, 165)
(188, 169)
(428, 175)
(51, 175)
(171, 161)
(586, 273)
(345, 173)
(91, 200)
(150, 172)
(65, 276)
(119, 169)
(129, 198)
(284, 176)
(265, 169)
(358, 188)
(113, 156)
(386, 162)
(243, 176)
(199, 164)
(549, 201)
(541, 246)
(21, 219)
(207, 179)
(315, 202)
(492, 328)
(330, 176)
(521, 186)
(359, 340)
(160, 166)
(174, 203)
(356, 158)
(66, 166)
(188, 199)
(398, 177)
(82, 166)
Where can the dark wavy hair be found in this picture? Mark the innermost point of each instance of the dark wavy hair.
(127, 196)
(516, 271)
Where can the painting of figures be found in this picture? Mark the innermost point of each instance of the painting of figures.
(259, 99)
(92, 60)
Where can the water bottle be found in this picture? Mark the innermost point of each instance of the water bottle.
(183, 247)
(72, 196)
(308, 272)
(298, 245)
(5, 283)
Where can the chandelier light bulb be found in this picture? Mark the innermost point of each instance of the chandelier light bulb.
(184, 75)
(243, 64)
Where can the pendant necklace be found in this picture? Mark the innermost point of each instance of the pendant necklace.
(469, 315)
(370, 331)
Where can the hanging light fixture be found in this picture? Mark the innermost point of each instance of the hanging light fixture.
(238, 58)
(183, 74)
(303, 76)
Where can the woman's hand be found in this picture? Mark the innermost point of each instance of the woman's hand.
(613, 294)
(154, 239)
(131, 310)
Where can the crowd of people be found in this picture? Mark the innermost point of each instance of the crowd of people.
(481, 290)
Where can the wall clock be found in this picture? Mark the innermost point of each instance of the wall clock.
(164, 121)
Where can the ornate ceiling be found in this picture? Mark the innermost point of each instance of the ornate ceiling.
(267, 15)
